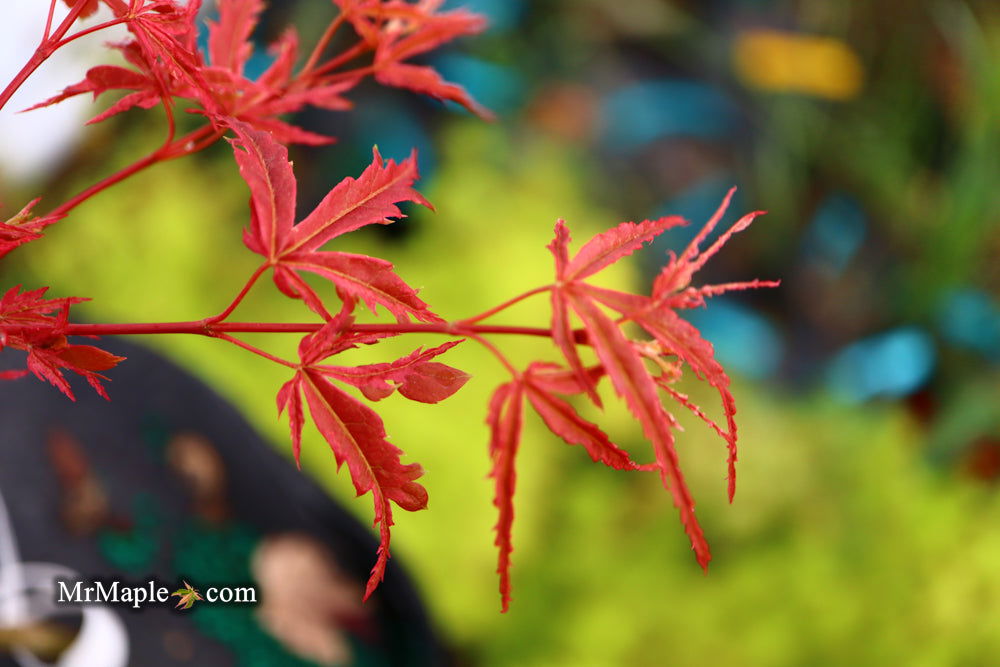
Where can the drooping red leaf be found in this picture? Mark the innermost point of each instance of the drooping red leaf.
(632, 382)
(505, 419)
(681, 338)
(426, 81)
(47, 364)
(562, 328)
(562, 419)
(356, 435)
(30, 322)
(656, 314)
(290, 398)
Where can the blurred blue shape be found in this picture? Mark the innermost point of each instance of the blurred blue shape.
(696, 205)
(503, 15)
(649, 110)
(396, 132)
(835, 233)
(257, 64)
(497, 88)
(889, 365)
(744, 341)
(970, 318)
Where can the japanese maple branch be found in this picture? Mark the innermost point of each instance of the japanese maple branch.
(48, 20)
(350, 54)
(239, 297)
(213, 329)
(495, 351)
(190, 143)
(48, 45)
(87, 31)
(321, 45)
(255, 350)
(505, 305)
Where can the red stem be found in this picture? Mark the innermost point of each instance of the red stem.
(209, 328)
(88, 31)
(321, 44)
(348, 74)
(48, 20)
(250, 348)
(41, 54)
(239, 297)
(495, 351)
(348, 55)
(505, 305)
(168, 151)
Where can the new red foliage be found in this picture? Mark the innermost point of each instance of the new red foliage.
(290, 249)
(166, 65)
(30, 322)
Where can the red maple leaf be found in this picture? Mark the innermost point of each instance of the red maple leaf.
(23, 228)
(505, 419)
(354, 203)
(354, 431)
(168, 65)
(400, 30)
(30, 322)
(625, 361)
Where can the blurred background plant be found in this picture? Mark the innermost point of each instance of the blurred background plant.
(867, 383)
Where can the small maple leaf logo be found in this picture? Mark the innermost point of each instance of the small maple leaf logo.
(187, 595)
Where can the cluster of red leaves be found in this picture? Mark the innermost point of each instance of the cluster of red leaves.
(30, 322)
(290, 248)
(638, 369)
(168, 65)
(587, 320)
(354, 431)
(22, 228)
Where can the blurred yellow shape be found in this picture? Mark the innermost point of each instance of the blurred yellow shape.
(791, 62)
